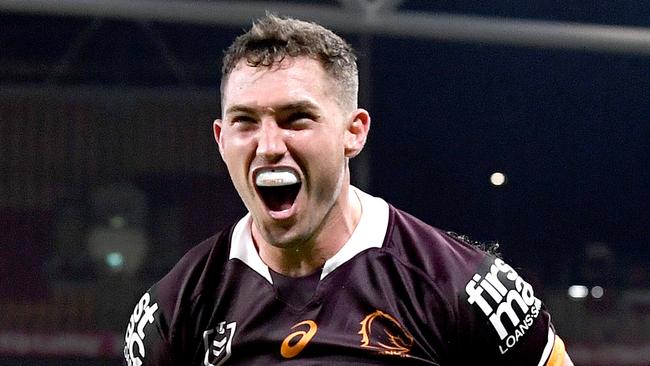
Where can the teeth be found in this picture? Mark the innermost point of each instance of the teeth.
(276, 178)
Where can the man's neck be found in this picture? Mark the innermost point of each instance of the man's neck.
(310, 256)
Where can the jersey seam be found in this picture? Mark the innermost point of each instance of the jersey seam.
(388, 244)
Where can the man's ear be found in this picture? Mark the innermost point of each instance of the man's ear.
(216, 129)
(358, 126)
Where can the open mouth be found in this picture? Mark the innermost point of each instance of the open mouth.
(278, 188)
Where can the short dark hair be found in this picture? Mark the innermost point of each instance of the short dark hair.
(273, 38)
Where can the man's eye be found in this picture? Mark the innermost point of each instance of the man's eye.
(299, 120)
(300, 115)
(243, 119)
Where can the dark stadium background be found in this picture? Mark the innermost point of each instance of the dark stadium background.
(110, 117)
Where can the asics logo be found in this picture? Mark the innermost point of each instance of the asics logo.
(295, 342)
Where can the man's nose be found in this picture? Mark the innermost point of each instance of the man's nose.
(271, 143)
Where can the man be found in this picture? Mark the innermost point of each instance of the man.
(319, 272)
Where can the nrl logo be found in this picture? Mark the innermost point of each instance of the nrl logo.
(218, 343)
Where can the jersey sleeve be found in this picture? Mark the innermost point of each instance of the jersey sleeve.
(146, 341)
(503, 320)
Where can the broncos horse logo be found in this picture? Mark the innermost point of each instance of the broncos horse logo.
(382, 332)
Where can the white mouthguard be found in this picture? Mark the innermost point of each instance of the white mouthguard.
(276, 178)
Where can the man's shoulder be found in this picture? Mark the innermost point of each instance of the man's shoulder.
(409, 232)
(196, 270)
(435, 251)
(170, 299)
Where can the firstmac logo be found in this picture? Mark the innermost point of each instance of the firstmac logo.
(142, 316)
(506, 299)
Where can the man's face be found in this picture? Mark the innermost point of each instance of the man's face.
(285, 141)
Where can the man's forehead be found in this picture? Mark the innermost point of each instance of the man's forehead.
(292, 81)
(301, 67)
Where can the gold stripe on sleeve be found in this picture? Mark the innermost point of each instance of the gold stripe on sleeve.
(557, 355)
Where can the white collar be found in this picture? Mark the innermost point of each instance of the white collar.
(369, 233)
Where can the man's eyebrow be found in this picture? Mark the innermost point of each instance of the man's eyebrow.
(302, 105)
(281, 108)
(239, 108)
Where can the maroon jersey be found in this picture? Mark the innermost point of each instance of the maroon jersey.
(398, 292)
